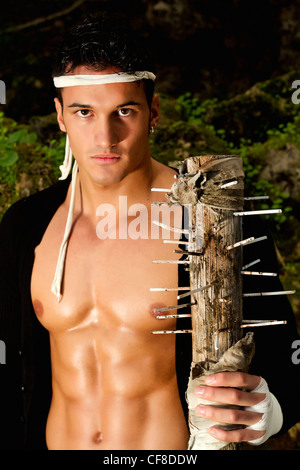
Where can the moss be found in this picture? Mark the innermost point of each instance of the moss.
(169, 110)
(247, 116)
(180, 140)
(280, 88)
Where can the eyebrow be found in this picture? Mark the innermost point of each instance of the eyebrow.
(129, 103)
(79, 105)
(88, 106)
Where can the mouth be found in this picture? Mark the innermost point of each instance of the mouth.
(106, 158)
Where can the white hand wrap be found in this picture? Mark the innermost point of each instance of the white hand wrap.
(272, 418)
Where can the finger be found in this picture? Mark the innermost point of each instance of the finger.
(233, 379)
(232, 396)
(239, 435)
(228, 415)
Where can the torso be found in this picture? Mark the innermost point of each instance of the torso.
(114, 383)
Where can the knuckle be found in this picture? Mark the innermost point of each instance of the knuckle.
(234, 416)
(235, 395)
(241, 378)
(208, 413)
(239, 438)
(223, 376)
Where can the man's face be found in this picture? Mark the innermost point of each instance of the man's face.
(108, 127)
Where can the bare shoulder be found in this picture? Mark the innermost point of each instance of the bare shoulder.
(163, 174)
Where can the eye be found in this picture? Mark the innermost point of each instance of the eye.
(83, 113)
(124, 112)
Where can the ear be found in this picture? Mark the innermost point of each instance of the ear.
(154, 112)
(59, 112)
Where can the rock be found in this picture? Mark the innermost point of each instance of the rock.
(24, 186)
(283, 169)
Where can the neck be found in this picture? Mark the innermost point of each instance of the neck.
(136, 186)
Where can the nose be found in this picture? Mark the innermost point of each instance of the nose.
(105, 134)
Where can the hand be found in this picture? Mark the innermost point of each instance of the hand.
(231, 388)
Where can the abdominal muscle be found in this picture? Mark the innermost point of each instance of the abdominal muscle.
(119, 391)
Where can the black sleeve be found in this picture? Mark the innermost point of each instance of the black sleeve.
(10, 361)
(274, 358)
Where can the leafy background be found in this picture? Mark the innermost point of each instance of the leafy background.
(225, 73)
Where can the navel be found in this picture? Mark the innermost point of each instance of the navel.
(97, 438)
(38, 308)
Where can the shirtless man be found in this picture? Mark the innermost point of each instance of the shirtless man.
(114, 385)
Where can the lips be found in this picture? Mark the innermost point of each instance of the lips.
(106, 158)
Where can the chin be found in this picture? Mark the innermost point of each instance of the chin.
(108, 180)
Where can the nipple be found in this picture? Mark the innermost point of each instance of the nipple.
(38, 308)
(154, 307)
(97, 437)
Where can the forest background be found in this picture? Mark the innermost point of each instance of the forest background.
(227, 74)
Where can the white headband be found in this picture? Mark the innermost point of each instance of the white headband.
(98, 79)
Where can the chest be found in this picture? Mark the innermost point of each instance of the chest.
(106, 281)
